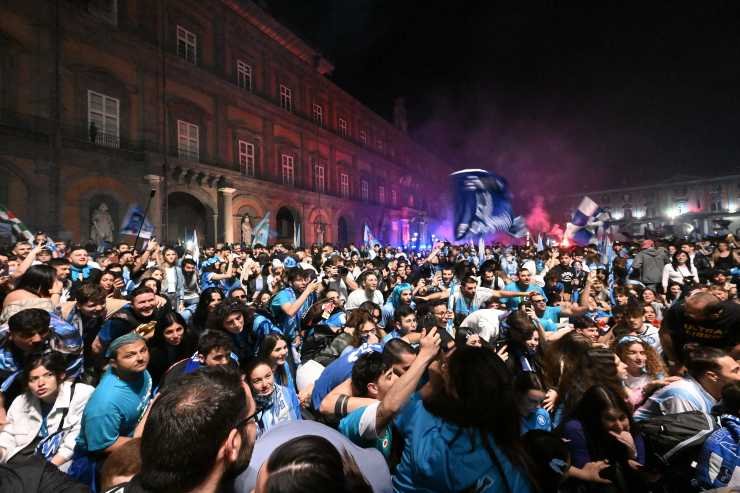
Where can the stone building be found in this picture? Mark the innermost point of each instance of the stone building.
(214, 105)
(677, 205)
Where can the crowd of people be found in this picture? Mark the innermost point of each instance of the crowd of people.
(277, 369)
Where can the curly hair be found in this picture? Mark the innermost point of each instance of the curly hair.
(654, 364)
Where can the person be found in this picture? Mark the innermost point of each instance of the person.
(38, 287)
(198, 434)
(645, 369)
(702, 319)
(530, 394)
(121, 465)
(523, 284)
(207, 303)
(383, 394)
(232, 318)
(116, 406)
(141, 314)
(276, 403)
(635, 325)
(601, 429)
(172, 342)
(31, 331)
(470, 297)
(214, 349)
(679, 270)
(45, 419)
(649, 262)
(719, 460)
(708, 371)
(524, 343)
(290, 304)
(311, 463)
(174, 281)
(485, 322)
(649, 298)
(367, 292)
(481, 448)
(400, 296)
(404, 325)
(190, 287)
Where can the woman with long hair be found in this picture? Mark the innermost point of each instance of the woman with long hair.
(650, 298)
(601, 429)
(172, 342)
(462, 427)
(674, 294)
(275, 351)
(208, 301)
(525, 344)
(680, 271)
(276, 403)
(38, 287)
(645, 369)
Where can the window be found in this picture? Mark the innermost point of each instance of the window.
(187, 45)
(286, 98)
(246, 158)
(380, 144)
(363, 137)
(244, 75)
(288, 167)
(364, 190)
(344, 185)
(318, 115)
(105, 9)
(319, 177)
(682, 207)
(342, 127)
(381, 194)
(187, 141)
(102, 119)
(394, 198)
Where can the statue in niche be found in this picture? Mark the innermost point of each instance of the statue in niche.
(320, 230)
(101, 227)
(246, 230)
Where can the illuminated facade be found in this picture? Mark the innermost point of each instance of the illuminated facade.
(214, 104)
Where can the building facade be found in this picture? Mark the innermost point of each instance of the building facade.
(677, 206)
(215, 107)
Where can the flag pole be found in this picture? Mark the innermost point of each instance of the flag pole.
(143, 220)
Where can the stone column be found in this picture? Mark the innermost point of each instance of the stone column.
(155, 208)
(227, 194)
(215, 228)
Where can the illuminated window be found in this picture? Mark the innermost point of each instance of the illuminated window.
(287, 164)
(246, 158)
(188, 141)
(342, 127)
(187, 45)
(319, 177)
(244, 75)
(286, 98)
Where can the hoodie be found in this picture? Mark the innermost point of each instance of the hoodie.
(650, 263)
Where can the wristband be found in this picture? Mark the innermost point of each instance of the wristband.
(340, 408)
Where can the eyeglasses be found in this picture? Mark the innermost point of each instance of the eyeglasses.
(248, 419)
(541, 300)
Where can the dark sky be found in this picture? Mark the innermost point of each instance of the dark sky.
(553, 98)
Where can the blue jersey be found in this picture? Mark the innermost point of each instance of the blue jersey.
(338, 371)
(539, 419)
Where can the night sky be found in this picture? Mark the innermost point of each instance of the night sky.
(554, 98)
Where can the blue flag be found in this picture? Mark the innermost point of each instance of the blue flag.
(483, 205)
(368, 238)
(587, 220)
(135, 220)
(261, 232)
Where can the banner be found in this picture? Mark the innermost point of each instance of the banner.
(261, 232)
(135, 219)
(19, 230)
(483, 205)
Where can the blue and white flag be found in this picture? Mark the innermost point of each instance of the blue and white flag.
(368, 238)
(540, 244)
(261, 232)
(296, 235)
(483, 205)
(135, 220)
(587, 220)
(193, 248)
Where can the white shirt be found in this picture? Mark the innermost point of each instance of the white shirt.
(486, 321)
(359, 296)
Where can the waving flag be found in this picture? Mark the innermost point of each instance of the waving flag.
(483, 205)
(367, 237)
(296, 235)
(586, 222)
(135, 220)
(193, 248)
(261, 232)
(18, 229)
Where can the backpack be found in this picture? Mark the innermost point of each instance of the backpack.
(674, 437)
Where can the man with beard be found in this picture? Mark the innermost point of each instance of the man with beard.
(198, 436)
(291, 303)
(140, 314)
(191, 289)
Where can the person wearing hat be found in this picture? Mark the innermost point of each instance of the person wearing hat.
(650, 262)
(116, 406)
